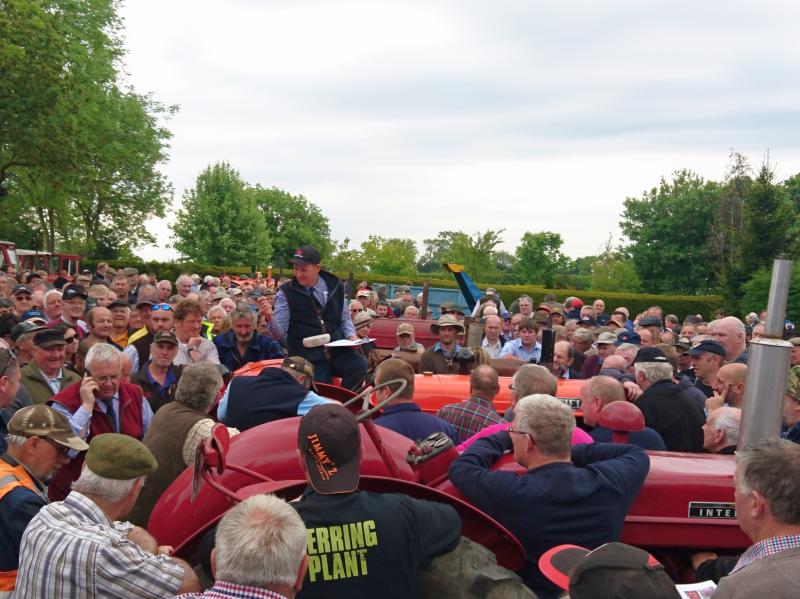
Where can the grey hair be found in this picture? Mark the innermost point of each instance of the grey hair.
(727, 420)
(654, 371)
(214, 309)
(549, 422)
(772, 467)
(242, 312)
(583, 335)
(16, 441)
(103, 353)
(532, 378)
(204, 294)
(198, 386)
(51, 293)
(261, 543)
(112, 490)
(181, 278)
(623, 347)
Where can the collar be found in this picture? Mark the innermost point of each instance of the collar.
(406, 406)
(765, 548)
(57, 377)
(232, 590)
(439, 349)
(87, 508)
(167, 380)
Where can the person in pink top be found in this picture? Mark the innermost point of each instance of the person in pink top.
(528, 380)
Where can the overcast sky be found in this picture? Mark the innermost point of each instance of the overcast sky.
(405, 118)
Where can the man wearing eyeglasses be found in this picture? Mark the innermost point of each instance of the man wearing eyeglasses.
(155, 317)
(45, 375)
(39, 439)
(593, 485)
(22, 296)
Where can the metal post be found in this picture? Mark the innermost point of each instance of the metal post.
(768, 366)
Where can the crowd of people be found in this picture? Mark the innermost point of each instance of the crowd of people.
(110, 382)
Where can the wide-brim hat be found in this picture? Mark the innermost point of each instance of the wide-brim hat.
(447, 320)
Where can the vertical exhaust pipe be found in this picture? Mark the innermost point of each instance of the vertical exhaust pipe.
(768, 365)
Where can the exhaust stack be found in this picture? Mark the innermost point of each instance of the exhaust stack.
(768, 365)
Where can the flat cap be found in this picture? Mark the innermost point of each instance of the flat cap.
(650, 321)
(119, 457)
(650, 354)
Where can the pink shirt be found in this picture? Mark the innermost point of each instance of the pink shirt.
(579, 435)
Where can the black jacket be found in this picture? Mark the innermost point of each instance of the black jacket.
(678, 419)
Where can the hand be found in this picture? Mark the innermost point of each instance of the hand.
(717, 400)
(143, 539)
(194, 343)
(354, 338)
(265, 309)
(700, 557)
(632, 390)
(165, 550)
(89, 389)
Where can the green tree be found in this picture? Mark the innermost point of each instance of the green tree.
(668, 232)
(219, 221)
(539, 257)
(476, 253)
(614, 271)
(391, 256)
(345, 259)
(755, 293)
(292, 221)
(582, 265)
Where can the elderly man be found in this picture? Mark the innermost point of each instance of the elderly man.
(600, 312)
(184, 285)
(728, 387)
(563, 361)
(492, 342)
(476, 412)
(192, 348)
(605, 346)
(596, 394)
(721, 430)
(22, 296)
(159, 377)
(592, 484)
(439, 358)
(676, 417)
(138, 350)
(390, 536)
(406, 341)
(525, 347)
(243, 344)
(311, 304)
(73, 300)
(45, 375)
(731, 333)
(164, 289)
(767, 482)
(38, 441)
(52, 304)
(402, 415)
(100, 403)
(175, 433)
(289, 388)
(108, 558)
(260, 551)
(707, 358)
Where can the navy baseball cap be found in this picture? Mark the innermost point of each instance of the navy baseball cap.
(626, 336)
(650, 354)
(650, 321)
(306, 254)
(708, 346)
(35, 313)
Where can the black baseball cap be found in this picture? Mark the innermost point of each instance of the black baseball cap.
(73, 291)
(119, 303)
(650, 354)
(165, 337)
(306, 254)
(708, 346)
(21, 289)
(330, 441)
(610, 571)
(650, 321)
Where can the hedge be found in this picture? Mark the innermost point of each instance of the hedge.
(680, 305)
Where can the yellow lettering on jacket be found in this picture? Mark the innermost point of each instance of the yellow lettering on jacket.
(340, 551)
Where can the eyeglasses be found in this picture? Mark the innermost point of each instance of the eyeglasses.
(60, 449)
(516, 432)
(71, 339)
(22, 297)
(165, 307)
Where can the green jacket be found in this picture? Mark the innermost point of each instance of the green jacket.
(37, 386)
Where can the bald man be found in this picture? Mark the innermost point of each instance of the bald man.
(728, 387)
(730, 332)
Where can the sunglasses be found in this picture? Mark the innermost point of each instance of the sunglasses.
(22, 297)
(60, 449)
(165, 307)
(71, 339)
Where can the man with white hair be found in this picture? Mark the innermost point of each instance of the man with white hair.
(721, 431)
(52, 304)
(260, 551)
(101, 402)
(731, 333)
(591, 484)
(673, 415)
(102, 557)
(184, 285)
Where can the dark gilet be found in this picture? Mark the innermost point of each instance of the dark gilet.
(272, 395)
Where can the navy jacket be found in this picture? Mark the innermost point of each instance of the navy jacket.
(583, 503)
(272, 395)
(409, 420)
(261, 348)
(646, 439)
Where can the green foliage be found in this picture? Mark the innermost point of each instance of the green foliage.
(582, 265)
(668, 230)
(476, 253)
(345, 259)
(539, 257)
(755, 293)
(392, 256)
(219, 220)
(292, 221)
(614, 271)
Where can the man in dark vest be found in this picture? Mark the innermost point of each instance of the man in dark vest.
(175, 433)
(311, 304)
(274, 394)
(101, 402)
(160, 318)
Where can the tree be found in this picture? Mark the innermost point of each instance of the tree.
(614, 271)
(345, 259)
(219, 222)
(582, 265)
(292, 221)
(539, 257)
(668, 232)
(391, 256)
(475, 253)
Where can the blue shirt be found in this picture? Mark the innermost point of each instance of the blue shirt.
(514, 348)
(279, 324)
(80, 419)
(408, 419)
(311, 400)
(438, 348)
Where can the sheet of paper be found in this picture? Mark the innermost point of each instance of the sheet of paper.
(348, 343)
(698, 590)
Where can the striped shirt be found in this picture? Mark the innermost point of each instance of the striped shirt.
(71, 549)
(766, 548)
(230, 590)
(470, 416)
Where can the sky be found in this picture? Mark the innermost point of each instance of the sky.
(406, 118)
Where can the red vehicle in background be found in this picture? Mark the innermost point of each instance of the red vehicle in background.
(53, 263)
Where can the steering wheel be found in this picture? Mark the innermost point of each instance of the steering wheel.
(366, 411)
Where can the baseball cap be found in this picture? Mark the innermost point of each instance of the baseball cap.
(650, 354)
(43, 421)
(363, 293)
(165, 337)
(300, 365)
(708, 346)
(119, 303)
(587, 320)
(21, 289)
(626, 336)
(612, 570)
(683, 344)
(650, 321)
(73, 291)
(22, 328)
(606, 338)
(49, 338)
(330, 441)
(34, 314)
(119, 457)
(405, 329)
(306, 254)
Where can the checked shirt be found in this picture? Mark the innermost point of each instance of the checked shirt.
(470, 416)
